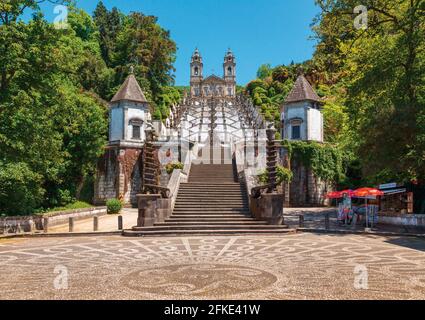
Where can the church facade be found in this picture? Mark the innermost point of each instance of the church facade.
(213, 86)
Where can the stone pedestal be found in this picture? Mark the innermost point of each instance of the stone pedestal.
(163, 210)
(269, 207)
(147, 204)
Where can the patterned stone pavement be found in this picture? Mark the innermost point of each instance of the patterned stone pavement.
(297, 266)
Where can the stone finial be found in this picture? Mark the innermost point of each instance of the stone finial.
(271, 132)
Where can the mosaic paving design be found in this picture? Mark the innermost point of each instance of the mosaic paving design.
(199, 280)
(299, 266)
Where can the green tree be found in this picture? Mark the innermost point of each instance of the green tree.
(382, 68)
(264, 71)
(51, 127)
(109, 24)
(144, 43)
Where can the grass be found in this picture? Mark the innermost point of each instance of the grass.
(71, 206)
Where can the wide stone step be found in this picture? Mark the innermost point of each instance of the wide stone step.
(206, 203)
(199, 207)
(228, 173)
(214, 180)
(203, 171)
(212, 209)
(212, 216)
(209, 227)
(212, 189)
(196, 232)
(203, 196)
(199, 197)
(210, 180)
(206, 187)
(206, 220)
(212, 194)
(212, 184)
(212, 172)
(212, 176)
(184, 212)
(213, 201)
(212, 166)
(210, 223)
(222, 184)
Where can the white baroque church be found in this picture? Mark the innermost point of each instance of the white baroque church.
(213, 86)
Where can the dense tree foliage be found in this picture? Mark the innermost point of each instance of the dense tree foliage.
(54, 84)
(135, 40)
(382, 70)
(373, 84)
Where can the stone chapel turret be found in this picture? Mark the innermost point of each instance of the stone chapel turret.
(301, 116)
(119, 170)
(128, 114)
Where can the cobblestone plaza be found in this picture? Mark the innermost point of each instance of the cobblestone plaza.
(294, 266)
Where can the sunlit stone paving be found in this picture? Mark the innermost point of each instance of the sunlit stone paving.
(298, 266)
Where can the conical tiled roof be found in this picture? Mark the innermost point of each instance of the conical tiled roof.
(130, 90)
(302, 91)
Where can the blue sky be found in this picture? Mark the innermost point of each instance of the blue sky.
(258, 31)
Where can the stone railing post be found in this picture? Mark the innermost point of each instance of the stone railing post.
(301, 220)
(327, 222)
(46, 225)
(71, 224)
(120, 223)
(95, 223)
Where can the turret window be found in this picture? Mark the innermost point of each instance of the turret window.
(296, 132)
(136, 125)
(196, 71)
(136, 133)
(296, 128)
(229, 70)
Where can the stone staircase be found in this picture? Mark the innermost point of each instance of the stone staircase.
(213, 202)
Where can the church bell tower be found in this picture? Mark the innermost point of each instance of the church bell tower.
(196, 74)
(229, 67)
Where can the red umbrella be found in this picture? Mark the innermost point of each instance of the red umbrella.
(334, 195)
(348, 192)
(367, 192)
(339, 194)
(364, 193)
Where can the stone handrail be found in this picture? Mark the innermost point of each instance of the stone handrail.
(188, 161)
(179, 176)
(174, 185)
